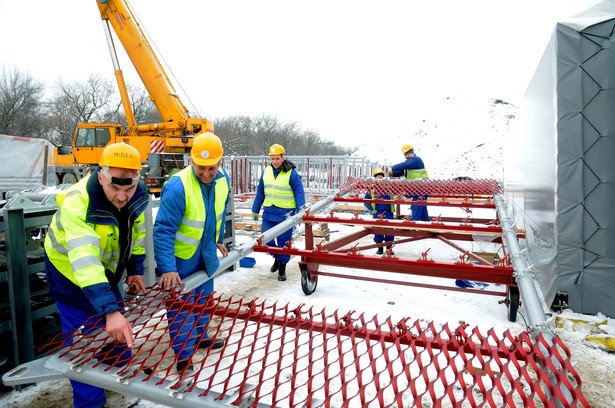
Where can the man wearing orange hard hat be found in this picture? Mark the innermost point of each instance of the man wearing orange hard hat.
(280, 193)
(188, 232)
(97, 234)
(412, 168)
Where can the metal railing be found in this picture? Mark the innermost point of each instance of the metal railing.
(317, 172)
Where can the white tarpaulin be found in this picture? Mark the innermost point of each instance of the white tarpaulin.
(24, 163)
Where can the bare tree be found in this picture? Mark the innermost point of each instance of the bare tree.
(143, 108)
(21, 110)
(74, 102)
(248, 136)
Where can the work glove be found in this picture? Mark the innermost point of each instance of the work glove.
(255, 216)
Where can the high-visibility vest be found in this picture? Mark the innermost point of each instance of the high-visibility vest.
(278, 191)
(190, 231)
(414, 174)
(82, 251)
(374, 211)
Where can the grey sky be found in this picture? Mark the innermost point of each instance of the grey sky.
(346, 69)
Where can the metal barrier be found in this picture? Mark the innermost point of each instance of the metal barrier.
(317, 172)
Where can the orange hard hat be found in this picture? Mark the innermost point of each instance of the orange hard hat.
(276, 149)
(120, 155)
(406, 148)
(377, 171)
(206, 149)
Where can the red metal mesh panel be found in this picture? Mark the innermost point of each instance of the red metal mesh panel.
(433, 188)
(284, 356)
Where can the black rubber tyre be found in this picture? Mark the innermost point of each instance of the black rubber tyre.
(69, 178)
(308, 282)
(513, 303)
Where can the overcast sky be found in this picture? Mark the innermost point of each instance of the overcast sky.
(351, 70)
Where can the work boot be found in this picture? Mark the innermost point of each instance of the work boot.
(183, 365)
(380, 251)
(389, 249)
(275, 266)
(211, 343)
(282, 272)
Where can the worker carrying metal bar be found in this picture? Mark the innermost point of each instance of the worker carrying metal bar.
(97, 234)
(188, 232)
(412, 169)
(377, 210)
(280, 192)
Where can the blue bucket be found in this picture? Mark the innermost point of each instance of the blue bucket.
(247, 262)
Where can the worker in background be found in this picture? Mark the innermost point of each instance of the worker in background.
(377, 210)
(188, 232)
(280, 192)
(97, 234)
(412, 169)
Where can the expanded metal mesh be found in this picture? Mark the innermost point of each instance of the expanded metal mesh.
(278, 355)
(433, 188)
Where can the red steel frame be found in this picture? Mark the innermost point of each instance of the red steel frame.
(465, 194)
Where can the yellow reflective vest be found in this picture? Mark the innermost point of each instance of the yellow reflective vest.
(82, 244)
(278, 191)
(192, 225)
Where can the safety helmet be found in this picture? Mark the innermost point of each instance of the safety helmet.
(406, 148)
(120, 155)
(377, 171)
(206, 149)
(276, 149)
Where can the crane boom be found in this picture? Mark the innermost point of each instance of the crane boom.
(128, 31)
(163, 146)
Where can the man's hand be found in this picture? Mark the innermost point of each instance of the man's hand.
(170, 280)
(137, 281)
(118, 328)
(222, 249)
(255, 216)
(389, 172)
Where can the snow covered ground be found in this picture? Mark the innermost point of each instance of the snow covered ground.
(477, 152)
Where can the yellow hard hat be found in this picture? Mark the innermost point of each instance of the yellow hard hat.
(206, 149)
(276, 149)
(120, 155)
(377, 171)
(406, 148)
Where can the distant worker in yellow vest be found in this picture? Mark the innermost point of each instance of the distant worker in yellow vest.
(188, 232)
(97, 234)
(377, 210)
(280, 192)
(412, 169)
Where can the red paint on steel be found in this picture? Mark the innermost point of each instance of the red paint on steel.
(283, 355)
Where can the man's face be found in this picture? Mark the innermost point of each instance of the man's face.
(276, 160)
(205, 174)
(118, 195)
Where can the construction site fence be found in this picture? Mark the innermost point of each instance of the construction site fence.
(317, 172)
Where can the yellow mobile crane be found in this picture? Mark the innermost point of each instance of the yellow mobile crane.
(163, 144)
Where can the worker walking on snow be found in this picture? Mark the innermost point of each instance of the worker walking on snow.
(97, 234)
(280, 192)
(377, 210)
(412, 169)
(188, 232)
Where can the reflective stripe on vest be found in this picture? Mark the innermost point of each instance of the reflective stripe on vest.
(278, 191)
(413, 174)
(190, 231)
(82, 251)
(374, 211)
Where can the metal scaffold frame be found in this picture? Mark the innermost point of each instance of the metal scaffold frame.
(295, 355)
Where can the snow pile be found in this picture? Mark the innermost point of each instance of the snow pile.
(455, 137)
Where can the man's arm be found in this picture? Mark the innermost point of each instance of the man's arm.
(168, 219)
(259, 198)
(297, 186)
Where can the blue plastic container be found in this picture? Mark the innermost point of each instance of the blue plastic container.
(247, 262)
